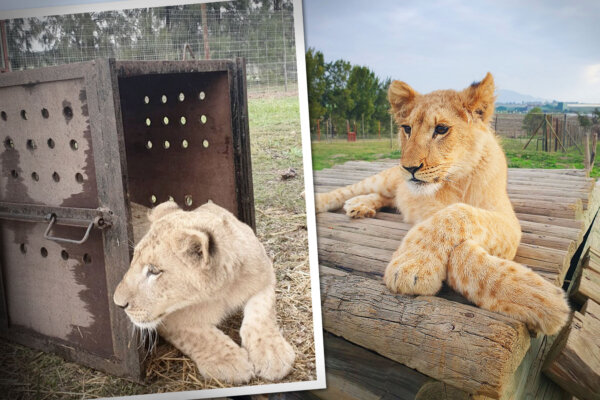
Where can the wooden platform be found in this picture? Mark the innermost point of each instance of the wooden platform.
(444, 337)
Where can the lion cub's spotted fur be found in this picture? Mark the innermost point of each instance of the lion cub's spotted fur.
(189, 272)
(465, 231)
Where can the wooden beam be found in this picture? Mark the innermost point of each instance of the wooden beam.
(574, 361)
(466, 347)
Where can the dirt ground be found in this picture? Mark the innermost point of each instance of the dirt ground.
(281, 226)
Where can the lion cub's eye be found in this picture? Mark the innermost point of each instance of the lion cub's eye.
(152, 270)
(407, 129)
(440, 130)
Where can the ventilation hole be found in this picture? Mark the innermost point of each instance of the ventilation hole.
(188, 200)
(205, 143)
(203, 119)
(201, 95)
(148, 122)
(87, 258)
(35, 176)
(23, 248)
(24, 114)
(3, 115)
(56, 177)
(45, 113)
(166, 144)
(74, 145)
(79, 177)
(44, 252)
(181, 96)
(184, 144)
(50, 143)
(64, 255)
(165, 121)
(148, 144)
(171, 198)
(31, 144)
(68, 112)
(163, 99)
(9, 143)
(146, 100)
(153, 199)
(14, 173)
(182, 120)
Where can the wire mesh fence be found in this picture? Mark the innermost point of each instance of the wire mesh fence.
(541, 132)
(263, 34)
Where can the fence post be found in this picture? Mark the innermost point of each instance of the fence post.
(284, 53)
(205, 32)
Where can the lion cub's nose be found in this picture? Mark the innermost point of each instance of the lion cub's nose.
(412, 170)
(120, 299)
(123, 306)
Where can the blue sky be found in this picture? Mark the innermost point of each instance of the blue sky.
(548, 49)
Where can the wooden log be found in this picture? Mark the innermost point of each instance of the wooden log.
(561, 208)
(586, 282)
(466, 347)
(355, 373)
(574, 361)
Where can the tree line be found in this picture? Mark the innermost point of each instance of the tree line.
(341, 93)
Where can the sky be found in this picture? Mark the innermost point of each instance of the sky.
(548, 49)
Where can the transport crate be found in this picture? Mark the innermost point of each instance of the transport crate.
(80, 143)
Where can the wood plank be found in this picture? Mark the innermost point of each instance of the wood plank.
(574, 361)
(586, 283)
(469, 348)
(355, 373)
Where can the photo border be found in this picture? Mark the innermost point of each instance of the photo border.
(320, 382)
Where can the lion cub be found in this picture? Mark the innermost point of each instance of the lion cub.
(192, 270)
(451, 183)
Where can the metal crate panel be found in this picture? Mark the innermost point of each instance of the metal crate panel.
(178, 139)
(56, 290)
(47, 155)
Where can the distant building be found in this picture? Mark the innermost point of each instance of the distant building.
(579, 107)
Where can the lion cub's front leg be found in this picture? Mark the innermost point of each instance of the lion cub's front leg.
(215, 354)
(366, 205)
(272, 356)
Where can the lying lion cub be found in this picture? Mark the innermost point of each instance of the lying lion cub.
(451, 184)
(189, 272)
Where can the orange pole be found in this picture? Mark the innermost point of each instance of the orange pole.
(379, 129)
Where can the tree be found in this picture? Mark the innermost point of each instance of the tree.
(532, 120)
(315, 74)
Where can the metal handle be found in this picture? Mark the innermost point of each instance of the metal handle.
(52, 218)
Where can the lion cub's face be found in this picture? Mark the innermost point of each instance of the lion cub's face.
(440, 132)
(169, 269)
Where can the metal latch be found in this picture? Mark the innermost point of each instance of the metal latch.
(98, 222)
(79, 217)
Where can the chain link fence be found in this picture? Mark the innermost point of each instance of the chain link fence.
(263, 35)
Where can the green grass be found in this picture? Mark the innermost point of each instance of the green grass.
(327, 154)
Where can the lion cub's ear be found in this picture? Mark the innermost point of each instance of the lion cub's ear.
(401, 97)
(195, 244)
(479, 99)
(162, 209)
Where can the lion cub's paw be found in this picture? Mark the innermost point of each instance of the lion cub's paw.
(273, 357)
(549, 310)
(409, 276)
(356, 208)
(236, 368)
